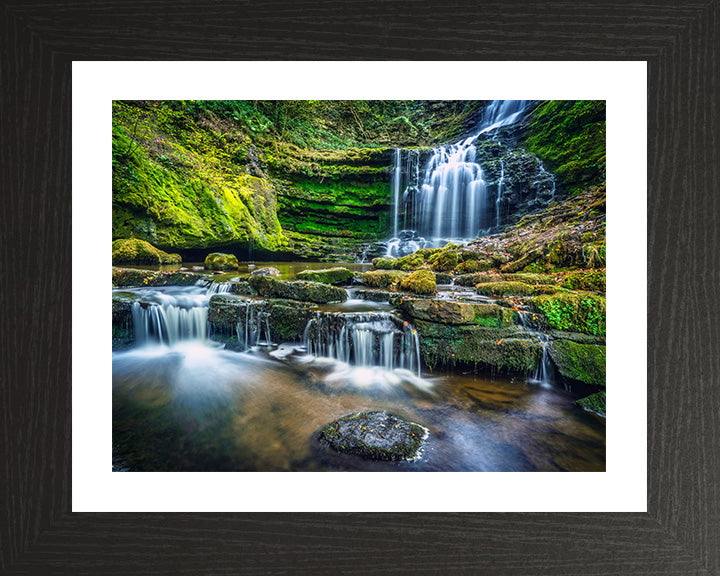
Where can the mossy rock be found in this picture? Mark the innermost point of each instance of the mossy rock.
(593, 280)
(337, 275)
(134, 251)
(131, 277)
(420, 282)
(410, 262)
(377, 435)
(522, 262)
(383, 278)
(384, 263)
(220, 261)
(505, 289)
(456, 313)
(533, 279)
(594, 403)
(123, 332)
(472, 266)
(443, 278)
(297, 290)
(573, 312)
(475, 279)
(582, 362)
(445, 260)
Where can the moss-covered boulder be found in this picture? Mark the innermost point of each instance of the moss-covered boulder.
(456, 313)
(297, 290)
(573, 312)
(581, 362)
(445, 260)
(443, 278)
(134, 251)
(419, 282)
(337, 275)
(131, 277)
(377, 435)
(410, 262)
(594, 403)
(383, 278)
(528, 278)
(220, 261)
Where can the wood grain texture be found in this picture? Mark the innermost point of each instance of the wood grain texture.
(680, 535)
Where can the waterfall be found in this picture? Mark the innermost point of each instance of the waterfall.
(256, 324)
(364, 339)
(452, 202)
(168, 323)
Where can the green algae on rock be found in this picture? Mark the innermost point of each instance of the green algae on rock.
(297, 290)
(573, 312)
(131, 277)
(594, 403)
(221, 261)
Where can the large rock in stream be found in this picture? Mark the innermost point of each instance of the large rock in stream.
(297, 290)
(131, 277)
(377, 435)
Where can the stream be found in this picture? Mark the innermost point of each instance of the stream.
(181, 401)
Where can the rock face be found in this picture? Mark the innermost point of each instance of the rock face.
(337, 275)
(453, 312)
(220, 261)
(122, 322)
(134, 251)
(298, 290)
(377, 435)
(286, 319)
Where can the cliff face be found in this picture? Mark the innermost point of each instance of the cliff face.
(311, 179)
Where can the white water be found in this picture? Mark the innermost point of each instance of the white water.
(364, 339)
(453, 202)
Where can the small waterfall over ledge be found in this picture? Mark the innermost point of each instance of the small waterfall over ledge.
(364, 339)
(453, 201)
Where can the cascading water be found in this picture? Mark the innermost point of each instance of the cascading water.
(364, 339)
(453, 202)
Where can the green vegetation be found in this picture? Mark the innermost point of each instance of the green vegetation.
(574, 312)
(384, 278)
(134, 251)
(570, 137)
(593, 280)
(582, 362)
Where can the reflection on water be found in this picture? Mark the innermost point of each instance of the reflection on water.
(195, 406)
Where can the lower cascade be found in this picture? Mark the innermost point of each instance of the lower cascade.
(372, 339)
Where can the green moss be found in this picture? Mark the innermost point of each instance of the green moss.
(573, 312)
(505, 289)
(442, 278)
(122, 277)
(530, 278)
(410, 262)
(570, 137)
(337, 275)
(297, 290)
(593, 280)
(594, 403)
(419, 282)
(582, 362)
(134, 251)
(383, 278)
(445, 260)
(472, 266)
(384, 263)
(220, 261)
(475, 279)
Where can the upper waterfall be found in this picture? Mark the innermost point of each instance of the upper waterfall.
(453, 201)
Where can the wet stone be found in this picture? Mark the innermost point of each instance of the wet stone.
(377, 435)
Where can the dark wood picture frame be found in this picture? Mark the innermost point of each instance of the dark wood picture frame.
(680, 533)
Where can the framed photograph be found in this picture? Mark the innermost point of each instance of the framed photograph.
(154, 158)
